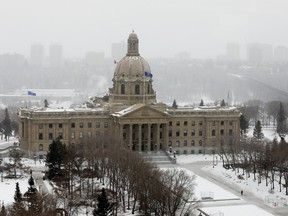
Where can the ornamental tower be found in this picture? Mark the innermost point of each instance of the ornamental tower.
(132, 81)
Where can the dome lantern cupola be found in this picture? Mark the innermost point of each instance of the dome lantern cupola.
(131, 85)
(133, 43)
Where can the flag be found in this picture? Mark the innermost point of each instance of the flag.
(31, 93)
(148, 74)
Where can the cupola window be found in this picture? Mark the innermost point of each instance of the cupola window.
(137, 89)
(122, 89)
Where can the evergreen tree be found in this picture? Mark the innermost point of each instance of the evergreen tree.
(281, 122)
(257, 133)
(46, 104)
(3, 211)
(201, 103)
(223, 104)
(6, 125)
(174, 105)
(17, 195)
(55, 158)
(244, 125)
(103, 206)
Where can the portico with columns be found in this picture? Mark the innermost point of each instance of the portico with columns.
(142, 128)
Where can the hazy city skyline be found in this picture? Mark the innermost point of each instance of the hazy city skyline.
(165, 28)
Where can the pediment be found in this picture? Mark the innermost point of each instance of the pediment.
(141, 111)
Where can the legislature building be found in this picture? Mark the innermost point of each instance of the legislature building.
(130, 116)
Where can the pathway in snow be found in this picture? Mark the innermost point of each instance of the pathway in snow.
(245, 200)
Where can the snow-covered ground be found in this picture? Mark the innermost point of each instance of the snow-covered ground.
(231, 208)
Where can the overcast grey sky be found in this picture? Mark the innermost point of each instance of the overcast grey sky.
(164, 27)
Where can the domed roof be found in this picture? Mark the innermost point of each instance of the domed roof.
(132, 65)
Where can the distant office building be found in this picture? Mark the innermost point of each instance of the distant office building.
(259, 53)
(55, 55)
(94, 59)
(12, 61)
(118, 50)
(233, 51)
(37, 55)
(281, 54)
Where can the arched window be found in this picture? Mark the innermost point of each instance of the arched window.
(148, 89)
(122, 89)
(40, 147)
(137, 89)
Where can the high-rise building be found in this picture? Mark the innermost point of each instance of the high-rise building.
(259, 53)
(94, 58)
(37, 55)
(118, 50)
(281, 54)
(130, 117)
(233, 51)
(55, 55)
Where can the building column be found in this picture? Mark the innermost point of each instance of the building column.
(166, 137)
(149, 138)
(157, 137)
(121, 134)
(139, 137)
(130, 135)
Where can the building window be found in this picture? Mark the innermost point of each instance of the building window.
(148, 89)
(40, 136)
(213, 123)
(89, 124)
(177, 123)
(137, 89)
(50, 126)
(177, 143)
(60, 135)
(230, 123)
(122, 89)
(170, 123)
(50, 136)
(213, 132)
(73, 125)
(185, 123)
(200, 123)
(193, 133)
(89, 134)
(81, 125)
(222, 132)
(192, 152)
(230, 132)
(73, 135)
(222, 122)
(200, 133)
(200, 151)
(40, 126)
(105, 124)
(40, 147)
(185, 143)
(193, 123)
(177, 133)
(60, 125)
(81, 135)
(124, 136)
(185, 133)
(97, 124)
(192, 142)
(170, 133)
(184, 151)
(200, 142)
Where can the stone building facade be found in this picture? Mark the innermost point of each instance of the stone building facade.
(131, 117)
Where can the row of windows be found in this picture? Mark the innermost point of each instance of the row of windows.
(81, 125)
(137, 89)
(185, 143)
(72, 136)
(185, 133)
(222, 133)
(200, 123)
